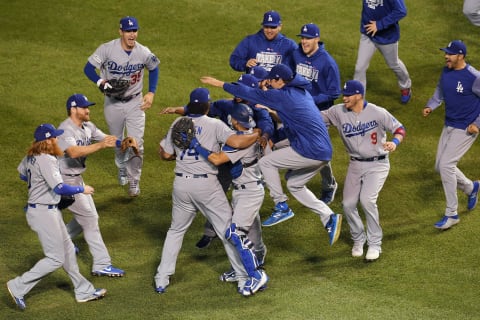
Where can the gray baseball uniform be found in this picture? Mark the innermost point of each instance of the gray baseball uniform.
(46, 220)
(84, 211)
(248, 195)
(125, 114)
(363, 135)
(196, 187)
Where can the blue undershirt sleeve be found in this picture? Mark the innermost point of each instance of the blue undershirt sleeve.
(67, 190)
(153, 79)
(91, 73)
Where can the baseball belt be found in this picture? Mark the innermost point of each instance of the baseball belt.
(369, 159)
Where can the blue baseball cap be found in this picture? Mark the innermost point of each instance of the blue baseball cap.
(200, 95)
(243, 114)
(455, 47)
(309, 30)
(248, 80)
(281, 71)
(352, 87)
(46, 131)
(129, 23)
(271, 19)
(78, 100)
(259, 72)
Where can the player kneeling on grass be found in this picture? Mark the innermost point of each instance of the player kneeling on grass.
(247, 196)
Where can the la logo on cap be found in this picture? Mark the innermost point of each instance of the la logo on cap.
(130, 23)
(305, 29)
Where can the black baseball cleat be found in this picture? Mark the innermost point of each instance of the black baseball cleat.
(205, 241)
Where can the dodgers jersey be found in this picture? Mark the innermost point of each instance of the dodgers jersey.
(322, 72)
(364, 133)
(114, 62)
(387, 14)
(267, 53)
(43, 174)
(76, 136)
(460, 90)
(246, 156)
(211, 133)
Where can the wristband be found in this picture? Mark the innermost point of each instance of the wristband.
(99, 82)
(396, 141)
(118, 143)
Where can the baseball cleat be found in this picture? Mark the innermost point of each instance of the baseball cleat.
(134, 188)
(333, 227)
(20, 302)
(205, 241)
(405, 96)
(281, 213)
(357, 250)
(122, 176)
(472, 198)
(447, 222)
(109, 271)
(98, 294)
(229, 276)
(328, 195)
(372, 254)
(255, 283)
(160, 290)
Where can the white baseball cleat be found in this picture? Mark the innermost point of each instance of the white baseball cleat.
(372, 254)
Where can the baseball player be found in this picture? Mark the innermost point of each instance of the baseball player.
(363, 128)
(380, 31)
(265, 48)
(196, 188)
(125, 58)
(77, 144)
(222, 109)
(247, 195)
(315, 64)
(40, 169)
(459, 89)
(309, 150)
(471, 9)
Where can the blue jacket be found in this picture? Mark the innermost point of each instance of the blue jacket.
(323, 73)
(256, 46)
(386, 16)
(302, 121)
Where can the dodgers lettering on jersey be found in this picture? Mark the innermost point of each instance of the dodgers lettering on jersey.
(359, 128)
(123, 70)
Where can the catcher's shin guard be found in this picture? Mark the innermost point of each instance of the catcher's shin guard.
(244, 247)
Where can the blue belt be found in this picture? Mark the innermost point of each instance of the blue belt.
(126, 99)
(188, 176)
(49, 206)
(244, 186)
(369, 159)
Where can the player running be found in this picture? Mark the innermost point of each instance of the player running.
(363, 128)
(125, 58)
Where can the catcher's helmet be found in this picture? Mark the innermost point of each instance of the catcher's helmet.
(243, 114)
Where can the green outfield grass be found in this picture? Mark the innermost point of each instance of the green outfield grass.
(422, 273)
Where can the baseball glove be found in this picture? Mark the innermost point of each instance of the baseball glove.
(115, 88)
(66, 201)
(130, 142)
(183, 131)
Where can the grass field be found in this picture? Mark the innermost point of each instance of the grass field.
(422, 273)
